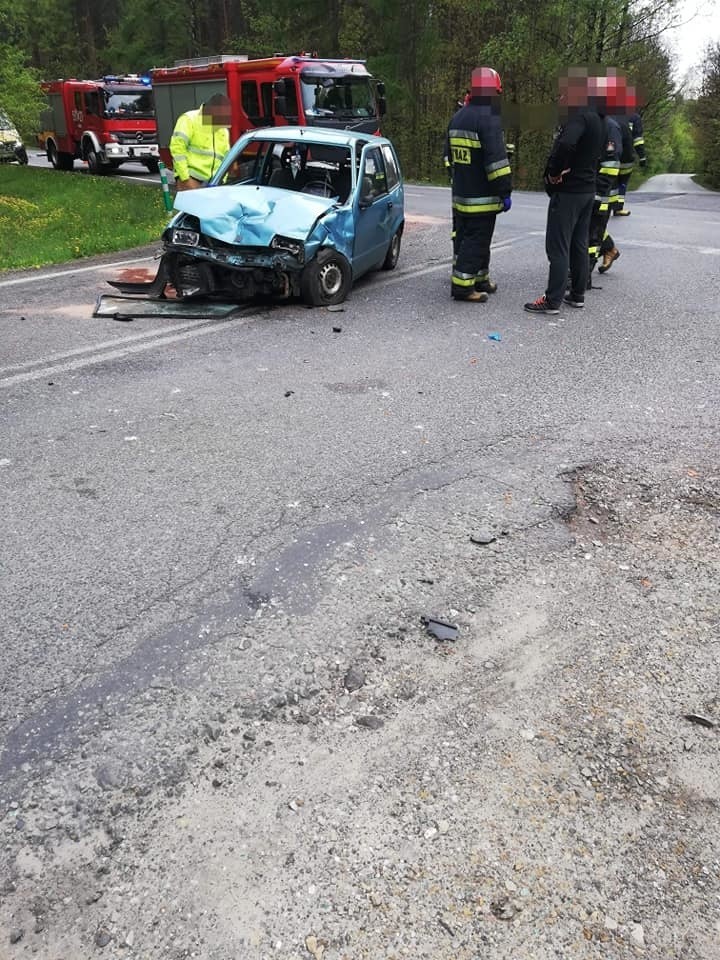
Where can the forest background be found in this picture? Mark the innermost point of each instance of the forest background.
(424, 51)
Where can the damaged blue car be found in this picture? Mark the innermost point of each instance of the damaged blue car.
(292, 211)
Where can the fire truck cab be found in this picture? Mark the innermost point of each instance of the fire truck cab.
(104, 122)
(297, 90)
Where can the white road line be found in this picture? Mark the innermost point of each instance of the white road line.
(124, 351)
(17, 281)
(105, 345)
(445, 263)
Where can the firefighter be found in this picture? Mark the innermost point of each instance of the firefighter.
(199, 142)
(481, 184)
(600, 243)
(633, 142)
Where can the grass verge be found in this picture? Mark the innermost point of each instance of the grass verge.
(51, 217)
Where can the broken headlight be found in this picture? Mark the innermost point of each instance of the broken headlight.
(294, 247)
(184, 237)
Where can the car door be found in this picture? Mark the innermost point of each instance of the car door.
(373, 211)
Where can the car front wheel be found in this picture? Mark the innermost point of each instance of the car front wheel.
(327, 279)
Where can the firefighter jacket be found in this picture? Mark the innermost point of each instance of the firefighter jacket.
(475, 150)
(606, 188)
(197, 146)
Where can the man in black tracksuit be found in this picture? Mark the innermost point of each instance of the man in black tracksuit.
(570, 176)
(481, 185)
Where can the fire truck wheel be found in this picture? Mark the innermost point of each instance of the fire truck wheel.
(61, 161)
(94, 164)
(153, 166)
(326, 279)
(393, 253)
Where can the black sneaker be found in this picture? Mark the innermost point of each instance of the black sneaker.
(541, 305)
(572, 301)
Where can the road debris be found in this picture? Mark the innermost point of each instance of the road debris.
(700, 720)
(482, 537)
(440, 629)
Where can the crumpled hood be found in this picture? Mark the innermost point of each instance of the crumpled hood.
(250, 215)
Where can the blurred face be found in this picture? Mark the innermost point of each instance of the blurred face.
(220, 115)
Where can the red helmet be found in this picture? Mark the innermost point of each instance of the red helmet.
(485, 82)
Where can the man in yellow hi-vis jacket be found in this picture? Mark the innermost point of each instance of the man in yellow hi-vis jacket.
(199, 142)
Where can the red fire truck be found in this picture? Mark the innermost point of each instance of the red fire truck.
(305, 90)
(104, 122)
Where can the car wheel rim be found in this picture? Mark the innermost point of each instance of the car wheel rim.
(331, 279)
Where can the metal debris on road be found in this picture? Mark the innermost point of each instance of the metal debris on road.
(440, 629)
(135, 308)
(701, 721)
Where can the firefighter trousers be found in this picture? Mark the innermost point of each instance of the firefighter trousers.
(622, 184)
(596, 240)
(473, 235)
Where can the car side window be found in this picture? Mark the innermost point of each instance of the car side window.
(391, 167)
(373, 179)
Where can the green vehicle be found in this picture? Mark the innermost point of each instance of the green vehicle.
(11, 146)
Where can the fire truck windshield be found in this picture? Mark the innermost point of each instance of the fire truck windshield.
(338, 98)
(136, 104)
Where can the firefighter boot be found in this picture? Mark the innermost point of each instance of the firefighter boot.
(609, 258)
(477, 296)
(486, 286)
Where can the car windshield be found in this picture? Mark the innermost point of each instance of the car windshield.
(136, 104)
(319, 169)
(5, 122)
(339, 98)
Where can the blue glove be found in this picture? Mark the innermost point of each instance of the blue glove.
(507, 203)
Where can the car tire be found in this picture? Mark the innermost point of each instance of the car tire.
(393, 253)
(94, 164)
(327, 279)
(22, 157)
(153, 166)
(61, 161)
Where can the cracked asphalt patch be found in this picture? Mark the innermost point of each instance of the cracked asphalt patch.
(533, 789)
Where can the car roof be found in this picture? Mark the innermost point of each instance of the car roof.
(337, 138)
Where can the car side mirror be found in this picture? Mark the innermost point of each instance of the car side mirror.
(366, 193)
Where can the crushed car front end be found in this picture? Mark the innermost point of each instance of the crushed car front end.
(243, 242)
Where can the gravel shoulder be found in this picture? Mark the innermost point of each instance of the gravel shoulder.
(531, 789)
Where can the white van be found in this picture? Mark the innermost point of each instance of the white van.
(11, 146)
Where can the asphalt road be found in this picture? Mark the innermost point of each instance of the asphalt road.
(195, 512)
(129, 171)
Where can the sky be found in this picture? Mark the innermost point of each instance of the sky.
(689, 40)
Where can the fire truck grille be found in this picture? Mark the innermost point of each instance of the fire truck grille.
(134, 136)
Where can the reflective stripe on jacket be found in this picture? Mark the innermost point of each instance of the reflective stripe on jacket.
(475, 147)
(197, 146)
